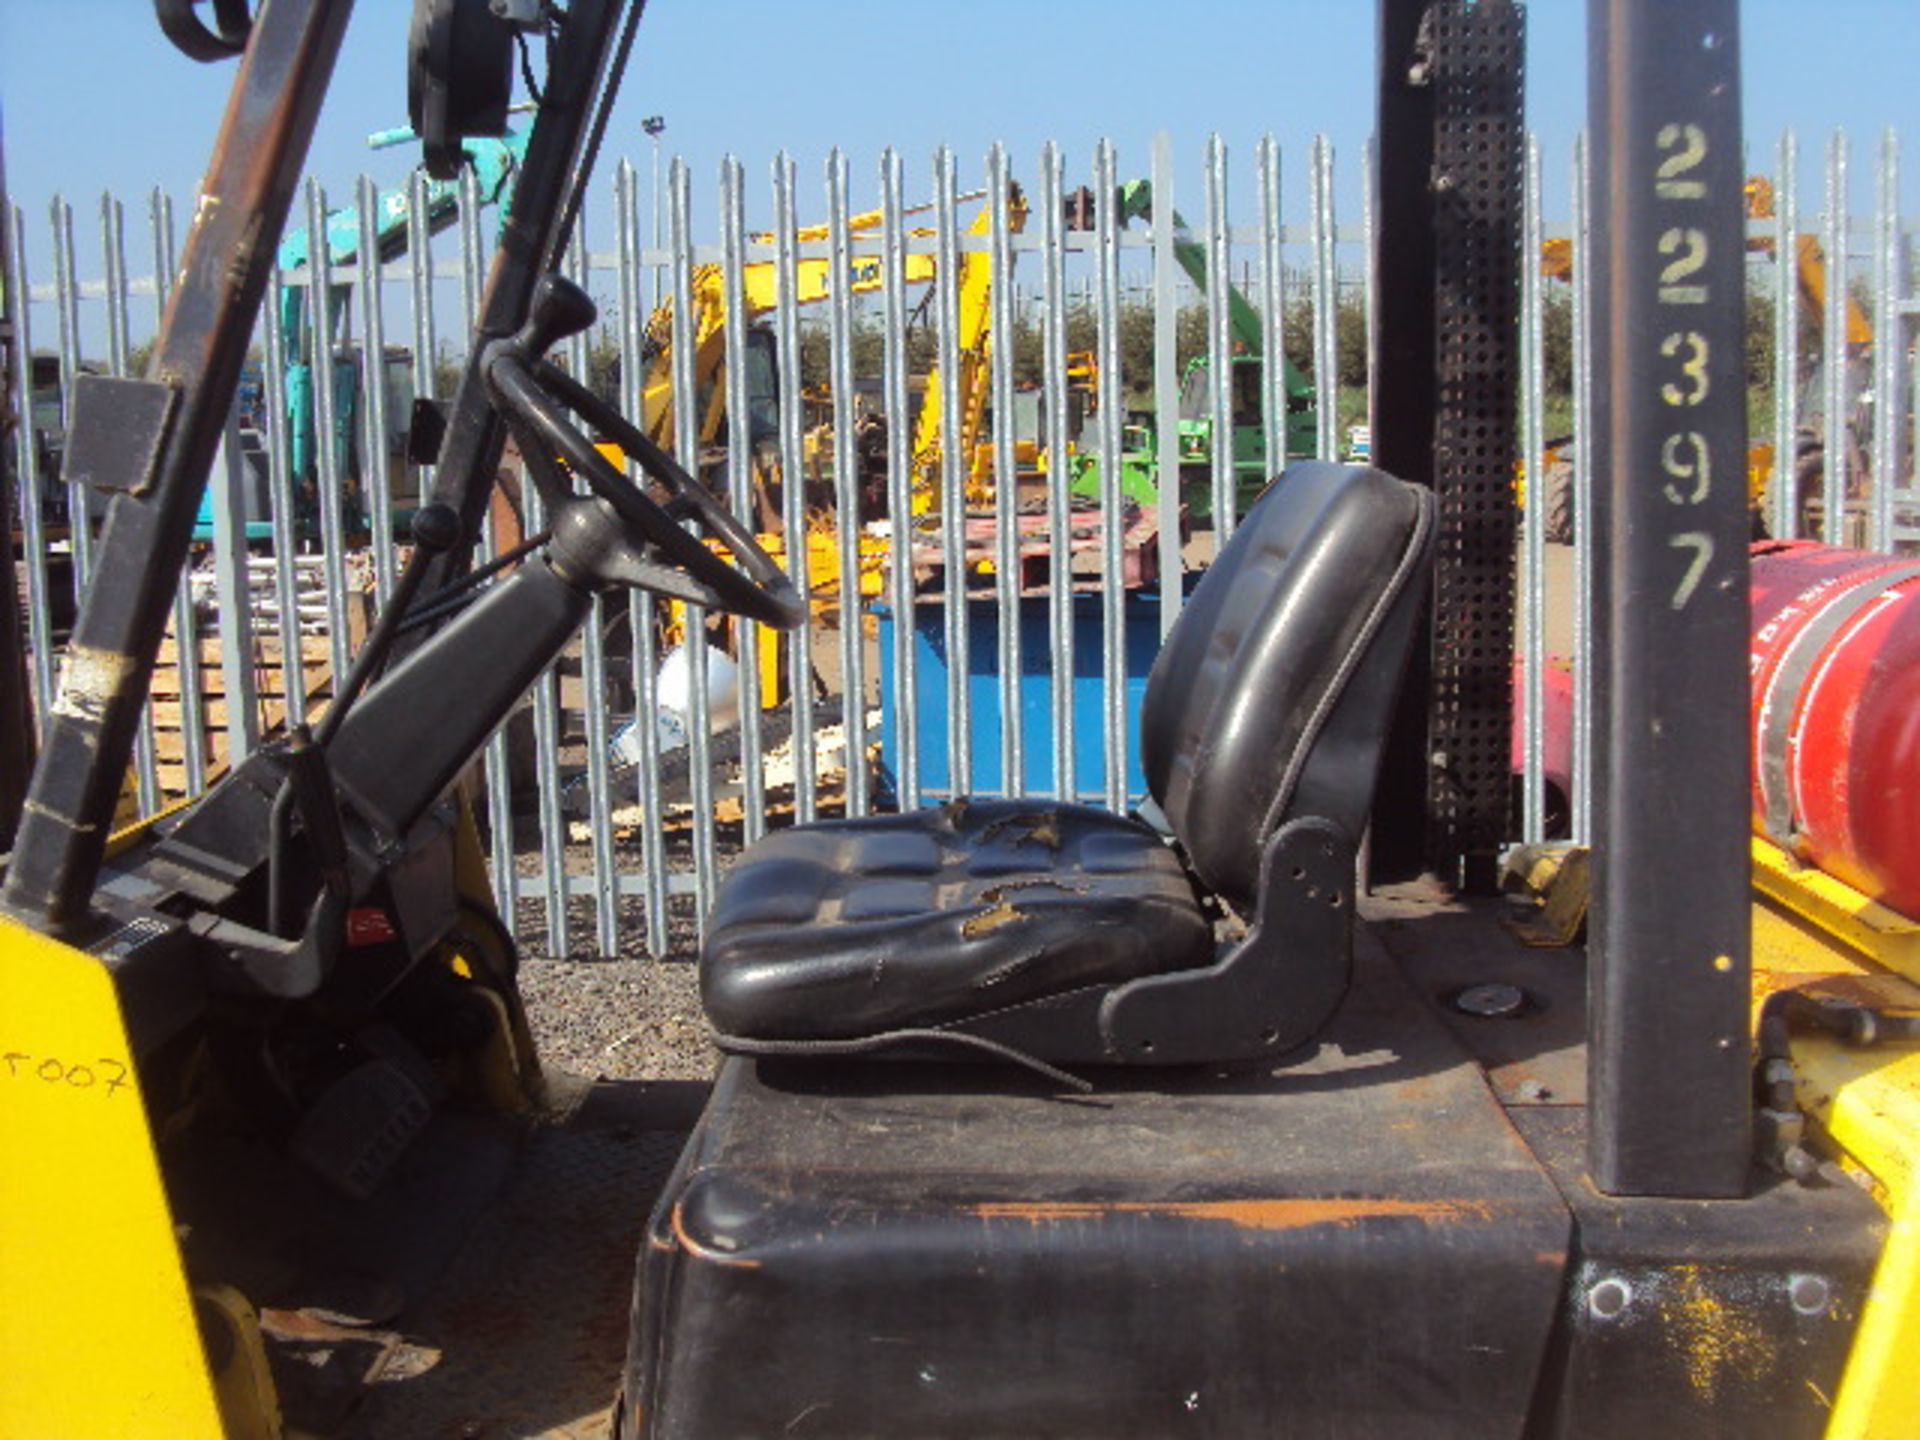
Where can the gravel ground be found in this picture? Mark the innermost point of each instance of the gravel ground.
(635, 1016)
(619, 1019)
(632, 1017)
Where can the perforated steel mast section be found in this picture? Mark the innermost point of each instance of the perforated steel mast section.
(1446, 335)
(1479, 147)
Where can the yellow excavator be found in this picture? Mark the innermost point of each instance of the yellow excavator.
(1034, 1119)
(973, 344)
(813, 284)
(760, 290)
(760, 294)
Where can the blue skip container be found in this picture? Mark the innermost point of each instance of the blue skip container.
(934, 674)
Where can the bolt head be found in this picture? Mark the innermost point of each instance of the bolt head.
(1810, 1294)
(1493, 1001)
(1608, 1299)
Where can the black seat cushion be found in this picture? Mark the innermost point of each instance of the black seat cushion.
(1269, 692)
(849, 928)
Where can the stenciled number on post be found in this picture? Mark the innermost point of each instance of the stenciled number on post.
(1686, 456)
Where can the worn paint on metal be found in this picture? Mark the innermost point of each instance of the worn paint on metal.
(706, 1249)
(1289, 1213)
(89, 679)
(1721, 1340)
(1810, 935)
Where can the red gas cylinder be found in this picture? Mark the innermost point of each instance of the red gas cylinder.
(1836, 713)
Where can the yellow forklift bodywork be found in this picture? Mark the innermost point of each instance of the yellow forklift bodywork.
(98, 1327)
(1812, 932)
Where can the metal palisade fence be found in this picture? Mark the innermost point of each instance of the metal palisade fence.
(993, 533)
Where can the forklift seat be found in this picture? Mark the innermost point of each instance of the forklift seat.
(1071, 934)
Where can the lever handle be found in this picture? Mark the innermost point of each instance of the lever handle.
(560, 308)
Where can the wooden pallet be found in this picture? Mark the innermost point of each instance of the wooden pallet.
(269, 679)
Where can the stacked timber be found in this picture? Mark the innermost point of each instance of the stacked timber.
(302, 678)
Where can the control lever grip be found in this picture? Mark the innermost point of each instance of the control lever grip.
(560, 309)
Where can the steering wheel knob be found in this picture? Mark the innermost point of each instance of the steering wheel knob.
(560, 308)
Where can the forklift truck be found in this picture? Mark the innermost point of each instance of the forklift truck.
(1035, 1120)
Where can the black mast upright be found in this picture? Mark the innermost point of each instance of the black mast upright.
(1670, 1112)
(151, 442)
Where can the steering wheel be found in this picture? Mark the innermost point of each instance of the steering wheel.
(623, 536)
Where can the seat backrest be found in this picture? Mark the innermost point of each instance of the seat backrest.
(1272, 695)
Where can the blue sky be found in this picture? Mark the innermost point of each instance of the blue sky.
(95, 99)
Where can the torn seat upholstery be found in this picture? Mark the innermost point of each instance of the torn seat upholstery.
(1071, 934)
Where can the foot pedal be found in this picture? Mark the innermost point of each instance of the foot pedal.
(362, 1122)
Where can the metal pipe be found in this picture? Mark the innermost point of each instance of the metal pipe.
(1580, 802)
(1888, 353)
(113, 242)
(740, 464)
(593, 668)
(640, 608)
(1326, 345)
(900, 517)
(846, 489)
(954, 466)
(1533, 570)
(1784, 506)
(1168, 496)
(281, 513)
(1835, 448)
(686, 433)
(792, 487)
(1112, 520)
(185, 629)
(1220, 358)
(32, 482)
(420, 286)
(233, 596)
(1060, 596)
(1273, 384)
(546, 744)
(329, 481)
(67, 311)
(1367, 158)
(376, 484)
(1006, 504)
